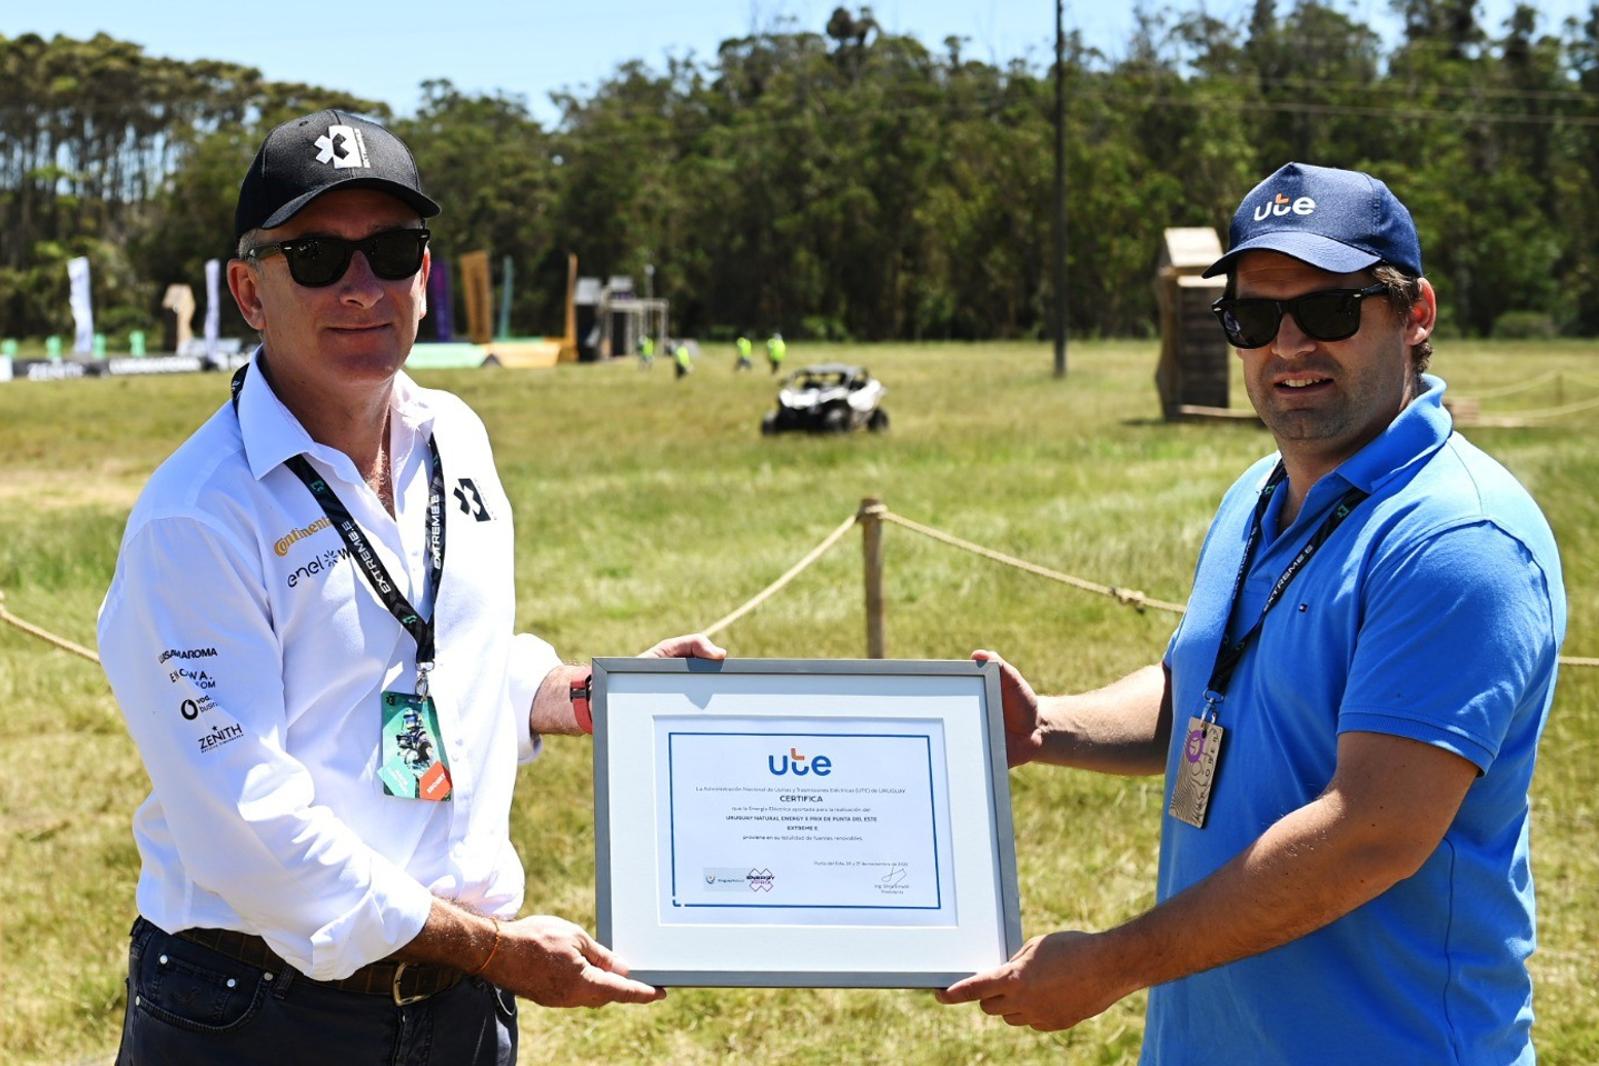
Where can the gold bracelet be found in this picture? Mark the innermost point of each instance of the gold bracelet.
(492, 950)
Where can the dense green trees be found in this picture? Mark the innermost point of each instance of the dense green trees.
(857, 183)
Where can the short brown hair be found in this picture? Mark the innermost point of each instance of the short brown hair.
(1404, 292)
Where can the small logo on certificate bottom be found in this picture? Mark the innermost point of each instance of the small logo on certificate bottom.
(739, 879)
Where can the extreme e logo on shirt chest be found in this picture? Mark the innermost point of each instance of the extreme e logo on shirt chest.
(471, 501)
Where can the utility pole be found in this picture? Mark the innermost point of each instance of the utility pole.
(1060, 189)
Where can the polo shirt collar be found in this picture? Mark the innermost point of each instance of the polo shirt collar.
(272, 435)
(1418, 431)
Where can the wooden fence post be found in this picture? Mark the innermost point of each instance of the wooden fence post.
(872, 546)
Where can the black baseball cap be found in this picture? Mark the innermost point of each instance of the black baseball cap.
(306, 157)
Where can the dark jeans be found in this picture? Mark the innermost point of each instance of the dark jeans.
(189, 1004)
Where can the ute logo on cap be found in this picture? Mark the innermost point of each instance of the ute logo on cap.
(1280, 205)
(343, 146)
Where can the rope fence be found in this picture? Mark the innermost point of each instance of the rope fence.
(1519, 386)
(43, 634)
(871, 516)
(873, 513)
(794, 571)
(1521, 418)
(1126, 597)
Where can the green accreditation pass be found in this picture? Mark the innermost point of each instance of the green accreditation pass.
(412, 761)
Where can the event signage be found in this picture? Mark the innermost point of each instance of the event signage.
(439, 300)
(82, 306)
(213, 306)
(179, 301)
(803, 822)
(49, 369)
(154, 364)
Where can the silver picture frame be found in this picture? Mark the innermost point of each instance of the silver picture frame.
(979, 923)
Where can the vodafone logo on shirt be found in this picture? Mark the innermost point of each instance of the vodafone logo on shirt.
(1279, 206)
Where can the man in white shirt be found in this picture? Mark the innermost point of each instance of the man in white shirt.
(310, 635)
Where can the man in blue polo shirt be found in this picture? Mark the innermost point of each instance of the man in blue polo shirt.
(1348, 714)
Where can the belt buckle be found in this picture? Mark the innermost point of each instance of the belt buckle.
(399, 1000)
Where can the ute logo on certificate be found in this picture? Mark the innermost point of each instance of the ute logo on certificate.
(803, 822)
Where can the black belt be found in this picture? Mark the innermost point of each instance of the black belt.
(405, 982)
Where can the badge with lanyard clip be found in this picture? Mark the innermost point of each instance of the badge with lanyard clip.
(1196, 768)
(411, 758)
(1201, 750)
(411, 762)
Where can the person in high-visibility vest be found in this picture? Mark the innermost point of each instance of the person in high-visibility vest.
(683, 358)
(745, 347)
(646, 352)
(776, 349)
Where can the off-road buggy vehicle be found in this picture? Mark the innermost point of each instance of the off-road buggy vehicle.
(828, 398)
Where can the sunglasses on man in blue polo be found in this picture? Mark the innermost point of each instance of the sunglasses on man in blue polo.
(1325, 315)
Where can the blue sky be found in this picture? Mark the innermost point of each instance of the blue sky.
(384, 50)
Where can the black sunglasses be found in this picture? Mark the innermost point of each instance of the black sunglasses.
(394, 254)
(1328, 315)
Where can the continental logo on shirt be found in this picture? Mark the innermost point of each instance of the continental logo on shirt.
(288, 539)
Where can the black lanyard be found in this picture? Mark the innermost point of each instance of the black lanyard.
(368, 563)
(1228, 655)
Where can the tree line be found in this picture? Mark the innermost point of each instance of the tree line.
(854, 183)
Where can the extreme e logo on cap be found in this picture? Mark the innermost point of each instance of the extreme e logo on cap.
(1281, 206)
(343, 146)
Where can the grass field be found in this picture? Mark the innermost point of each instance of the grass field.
(647, 507)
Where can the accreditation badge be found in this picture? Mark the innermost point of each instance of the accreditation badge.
(1196, 772)
(412, 763)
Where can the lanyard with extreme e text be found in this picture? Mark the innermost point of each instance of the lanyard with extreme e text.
(1196, 770)
(412, 764)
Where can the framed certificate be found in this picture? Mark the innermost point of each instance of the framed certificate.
(794, 823)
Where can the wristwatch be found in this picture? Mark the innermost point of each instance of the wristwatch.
(580, 691)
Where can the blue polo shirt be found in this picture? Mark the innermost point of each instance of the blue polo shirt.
(1434, 612)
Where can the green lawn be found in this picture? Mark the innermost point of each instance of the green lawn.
(647, 507)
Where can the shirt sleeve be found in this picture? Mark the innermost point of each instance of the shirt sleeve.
(1457, 629)
(187, 642)
(532, 659)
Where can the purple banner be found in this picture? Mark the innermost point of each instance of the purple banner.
(439, 305)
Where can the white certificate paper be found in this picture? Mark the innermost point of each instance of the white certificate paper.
(844, 822)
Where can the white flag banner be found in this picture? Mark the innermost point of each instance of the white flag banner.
(82, 306)
(213, 306)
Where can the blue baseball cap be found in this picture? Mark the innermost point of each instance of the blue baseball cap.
(1338, 220)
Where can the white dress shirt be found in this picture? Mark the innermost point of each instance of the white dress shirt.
(248, 656)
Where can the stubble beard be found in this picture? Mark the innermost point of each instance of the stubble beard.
(1358, 409)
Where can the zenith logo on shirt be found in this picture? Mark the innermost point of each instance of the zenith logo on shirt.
(471, 501)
